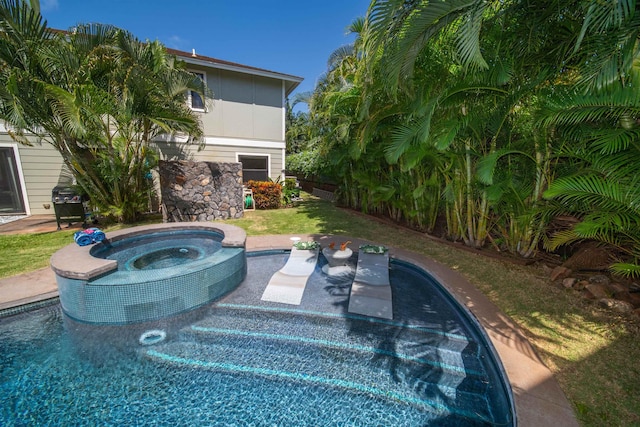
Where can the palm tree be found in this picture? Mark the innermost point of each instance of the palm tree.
(98, 95)
(334, 116)
(603, 190)
(600, 37)
(524, 49)
(297, 124)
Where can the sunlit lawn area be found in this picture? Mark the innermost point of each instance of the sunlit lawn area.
(594, 353)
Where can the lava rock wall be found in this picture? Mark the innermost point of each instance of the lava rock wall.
(200, 191)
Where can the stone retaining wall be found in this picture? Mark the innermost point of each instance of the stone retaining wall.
(200, 191)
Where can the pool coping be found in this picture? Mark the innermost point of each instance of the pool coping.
(538, 398)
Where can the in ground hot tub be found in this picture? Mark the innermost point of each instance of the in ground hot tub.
(150, 272)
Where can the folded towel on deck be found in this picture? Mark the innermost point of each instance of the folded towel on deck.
(88, 236)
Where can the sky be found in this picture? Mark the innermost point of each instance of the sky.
(287, 36)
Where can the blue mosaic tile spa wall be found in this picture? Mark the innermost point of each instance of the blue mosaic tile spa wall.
(123, 297)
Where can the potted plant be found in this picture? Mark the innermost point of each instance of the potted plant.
(310, 245)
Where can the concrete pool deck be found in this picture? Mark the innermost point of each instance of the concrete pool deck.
(539, 401)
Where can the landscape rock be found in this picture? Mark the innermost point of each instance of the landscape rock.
(616, 305)
(559, 272)
(569, 282)
(202, 191)
(599, 279)
(633, 299)
(580, 285)
(595, 291)
(589, 257)
(618, 288)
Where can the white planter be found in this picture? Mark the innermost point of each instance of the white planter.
(337, 257)
(337, 261)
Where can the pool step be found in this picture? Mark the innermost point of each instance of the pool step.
(391, 361)
(327, 366)
(418, 342)
(401, 351)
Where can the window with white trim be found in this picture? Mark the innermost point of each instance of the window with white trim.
(194, 99)
(254, 168)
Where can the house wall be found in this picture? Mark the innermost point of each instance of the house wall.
(220, 150)
(246, 117)
(244, 106)
(41, 169)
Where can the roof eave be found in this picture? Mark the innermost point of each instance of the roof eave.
(291, 82)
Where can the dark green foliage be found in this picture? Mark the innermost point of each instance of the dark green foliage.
(434, 114)
(290, 192)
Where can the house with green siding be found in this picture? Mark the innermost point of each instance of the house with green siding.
(244, 122)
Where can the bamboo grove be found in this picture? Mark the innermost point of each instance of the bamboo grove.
(488, 120)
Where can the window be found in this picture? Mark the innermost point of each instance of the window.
(195, 100)
(254, 168)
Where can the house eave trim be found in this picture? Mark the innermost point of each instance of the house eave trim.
(228, 67)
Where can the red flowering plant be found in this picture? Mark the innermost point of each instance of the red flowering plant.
(266, 194)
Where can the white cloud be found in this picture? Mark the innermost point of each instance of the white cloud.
(177, 42)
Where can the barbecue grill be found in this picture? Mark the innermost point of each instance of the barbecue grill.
(68, 205)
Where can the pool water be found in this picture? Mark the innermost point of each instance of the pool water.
(243, 361)
(167, 257)
(160, 249)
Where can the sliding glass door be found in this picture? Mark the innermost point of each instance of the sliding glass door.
(10, 190)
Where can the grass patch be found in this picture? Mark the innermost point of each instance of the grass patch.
(594, 353)
(27, 252)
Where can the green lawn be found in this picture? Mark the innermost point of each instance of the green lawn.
(594, 353)
(26, 252)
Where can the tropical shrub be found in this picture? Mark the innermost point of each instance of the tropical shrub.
(601, 186)
(289, 191)
(431, 115)
(266, 194)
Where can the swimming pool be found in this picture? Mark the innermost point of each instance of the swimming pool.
(243, 361)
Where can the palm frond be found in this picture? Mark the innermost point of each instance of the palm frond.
(603, 16)
(339, 55)
(626, 269)
(405, 28)
(469, 37)
(596, 191)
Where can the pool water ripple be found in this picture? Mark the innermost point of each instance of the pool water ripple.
(243, 361)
